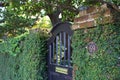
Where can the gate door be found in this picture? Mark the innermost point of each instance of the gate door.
(59, 63)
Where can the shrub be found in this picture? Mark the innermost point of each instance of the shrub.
(24, 57)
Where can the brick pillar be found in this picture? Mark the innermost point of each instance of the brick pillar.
(92, 16)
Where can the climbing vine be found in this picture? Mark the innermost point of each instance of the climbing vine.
(103, 64)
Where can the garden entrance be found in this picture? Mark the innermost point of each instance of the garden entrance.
(59, 58)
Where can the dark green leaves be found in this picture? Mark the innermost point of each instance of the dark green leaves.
(103, 64)
(24, 57)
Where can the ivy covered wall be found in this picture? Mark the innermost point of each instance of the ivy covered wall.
(24, 57)
(104, 63)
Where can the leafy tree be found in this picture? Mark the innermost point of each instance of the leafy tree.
(19, 13)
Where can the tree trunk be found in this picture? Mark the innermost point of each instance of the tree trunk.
(54, 17)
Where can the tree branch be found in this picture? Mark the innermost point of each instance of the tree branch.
(111, 4)
(63, 6)
(70, 8)
(3, 4)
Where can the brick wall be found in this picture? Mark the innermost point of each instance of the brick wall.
(92, 16)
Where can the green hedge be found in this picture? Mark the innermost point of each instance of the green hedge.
(104, 64)
(24, 57)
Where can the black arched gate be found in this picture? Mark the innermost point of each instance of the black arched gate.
(59, 57)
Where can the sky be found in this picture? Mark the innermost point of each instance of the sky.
(1, 15)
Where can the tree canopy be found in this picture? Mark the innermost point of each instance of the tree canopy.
(18, 14)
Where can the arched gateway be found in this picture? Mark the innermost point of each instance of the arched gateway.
(59, 57)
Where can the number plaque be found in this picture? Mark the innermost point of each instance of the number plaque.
(92, 47)
(61, 70)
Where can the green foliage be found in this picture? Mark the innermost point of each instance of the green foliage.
(102, 64)
(45, 23)
(12, 46)
(24, 57)
(18, 14)
(98, 2)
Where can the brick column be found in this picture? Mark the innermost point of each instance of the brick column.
(92, 16)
